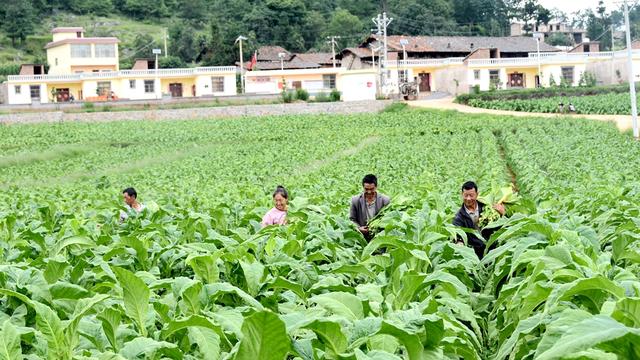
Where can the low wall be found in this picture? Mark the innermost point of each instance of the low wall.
(200, 113)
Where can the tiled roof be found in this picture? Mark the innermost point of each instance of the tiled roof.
(319, 58)
(462, 43)
(270, 53)
(359, 52)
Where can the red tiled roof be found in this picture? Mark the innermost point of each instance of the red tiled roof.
(100, 40)
(462, 43)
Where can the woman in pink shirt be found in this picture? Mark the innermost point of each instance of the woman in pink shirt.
(277, 215)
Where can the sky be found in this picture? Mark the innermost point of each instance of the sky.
(570, 6)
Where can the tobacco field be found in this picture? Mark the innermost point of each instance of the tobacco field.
(195, 277)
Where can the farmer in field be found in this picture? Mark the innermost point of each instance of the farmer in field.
(133, 207)
(469, 215)
(278, 213)
(365, 206)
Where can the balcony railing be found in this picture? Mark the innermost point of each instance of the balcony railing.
(426, 62)
(126, 73)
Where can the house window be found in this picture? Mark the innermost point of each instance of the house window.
(79, 34)
(18, 89)
(132, 84)
(35, 91)
(494, 76)
(56, 61)
(329, 81)
(403, 75)
(476, 74)
(105, 50)
(80, 51)
(149, 86)
(217, 83)
(567, 74)
(104, 88)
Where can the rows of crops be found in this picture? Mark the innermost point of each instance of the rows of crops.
(614, 104)
(194, 277)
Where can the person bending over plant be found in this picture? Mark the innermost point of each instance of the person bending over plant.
(366, 205)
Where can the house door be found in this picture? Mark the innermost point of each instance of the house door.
(175, 90)
(62, 95)
(516, 80)
(425, 82)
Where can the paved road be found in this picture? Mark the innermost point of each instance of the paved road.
(623, 122)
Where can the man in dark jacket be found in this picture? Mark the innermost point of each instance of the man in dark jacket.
(470, 213)
(367, 205)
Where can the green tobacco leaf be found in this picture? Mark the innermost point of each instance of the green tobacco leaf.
(50, 326)
(190, 322)
(590, 333)
(110, 319)
(208, 342)
(411, 342)
(342, 304)
(627, 311)
(282, 283)
(330, 333)
(263, 337)
(135, 295)
(213, 290)
(253, 275)
(148, 347)
(10, 342)
(79, 241)
(205, 267)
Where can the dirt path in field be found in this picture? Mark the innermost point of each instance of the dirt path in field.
(318, 164)
(623, 122)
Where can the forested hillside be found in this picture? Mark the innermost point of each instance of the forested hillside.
(203, 31)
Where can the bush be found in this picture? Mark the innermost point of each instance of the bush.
(171, 62)
(396, 107)
(302, 94)
(321, 97)
(9, 69)
(587, 79)
(88, 106)
(335, 95)
(288, 96)
(475, 89)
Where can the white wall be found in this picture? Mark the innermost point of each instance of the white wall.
(204, 86)
(357, 86)
(25, 94)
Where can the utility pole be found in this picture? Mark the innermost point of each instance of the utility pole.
(382, 21)
(166, 53)
(332, 41)
(632, 84)
(613, 55)
(239, 40)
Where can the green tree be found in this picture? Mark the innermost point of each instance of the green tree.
(144, 9)
(18, 20)
(279, 22)
(346, 25)
(195, 11)
(421, 17)
(559, 39)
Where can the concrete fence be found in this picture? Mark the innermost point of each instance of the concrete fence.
(200, 113)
